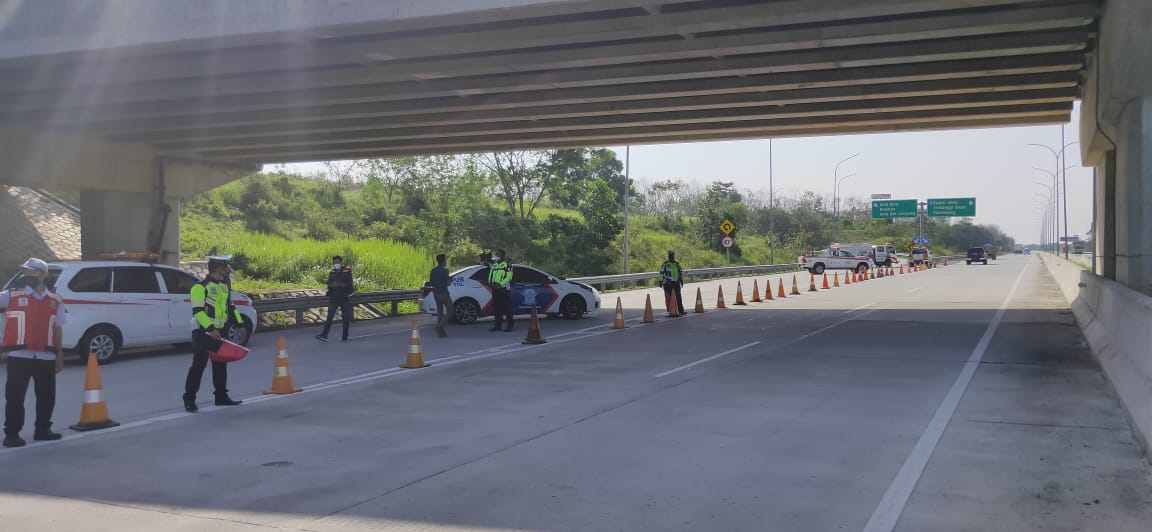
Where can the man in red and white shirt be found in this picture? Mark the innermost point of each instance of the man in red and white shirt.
(33, 318)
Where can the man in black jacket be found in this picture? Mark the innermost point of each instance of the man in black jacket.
(340, 291)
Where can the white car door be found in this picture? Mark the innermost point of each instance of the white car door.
(141, 310)
(177, 289)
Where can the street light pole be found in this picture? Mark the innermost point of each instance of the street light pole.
(1055, 208)
(627, 187)
(1064, 180)
(836, 195)
(771, 208)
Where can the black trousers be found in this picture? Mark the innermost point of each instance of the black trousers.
(502, 306)
(20, 371)
(201, 343)
(345, 314)
(674, 288)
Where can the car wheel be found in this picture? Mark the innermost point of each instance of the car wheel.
(861, 268)
(985, 262)
(969, 263)
(103, 340)
(818, 269)
(239, 334)
(466, 311)
(573, 307)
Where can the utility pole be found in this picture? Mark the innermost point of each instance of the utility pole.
(771, 208)
(923, 212)
(627, 188)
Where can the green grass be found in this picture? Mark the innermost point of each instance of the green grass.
(265, 263)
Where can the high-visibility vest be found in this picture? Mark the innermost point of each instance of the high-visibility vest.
(28, 322)
(212, 305)
(500, 273)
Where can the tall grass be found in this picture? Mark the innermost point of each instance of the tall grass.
(265, 262)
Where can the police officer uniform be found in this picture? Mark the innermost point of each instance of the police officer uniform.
(500, 279)
(672, 278)
(33, 317)
(213, 311)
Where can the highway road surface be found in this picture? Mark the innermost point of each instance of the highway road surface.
(960, 398)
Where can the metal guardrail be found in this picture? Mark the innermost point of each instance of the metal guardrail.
(602, 281)
(300, 305)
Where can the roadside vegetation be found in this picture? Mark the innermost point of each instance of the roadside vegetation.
(559, 210)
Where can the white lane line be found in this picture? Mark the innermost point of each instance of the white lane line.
(703, 360)
(861, 307)
(888, 513)
(916, 289)
(841, 322)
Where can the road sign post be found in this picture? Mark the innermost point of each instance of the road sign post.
(884, 209)
(952, 207)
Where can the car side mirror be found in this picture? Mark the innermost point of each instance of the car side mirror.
(552, 280)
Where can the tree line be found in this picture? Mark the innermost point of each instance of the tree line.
(560, 210)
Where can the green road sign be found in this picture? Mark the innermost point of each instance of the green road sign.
(894, 208)
(952, 207)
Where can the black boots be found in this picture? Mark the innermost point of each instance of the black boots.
(46, 435)
(190, 405)
(224, 400)
(14, 440)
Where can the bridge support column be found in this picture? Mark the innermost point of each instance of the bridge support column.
(112, 221)
(1133, 158)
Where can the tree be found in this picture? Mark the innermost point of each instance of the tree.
(721, 202)
(522, 178)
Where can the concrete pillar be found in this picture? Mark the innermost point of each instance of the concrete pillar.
(1105, 226)
(1133, 158)
(112, 221)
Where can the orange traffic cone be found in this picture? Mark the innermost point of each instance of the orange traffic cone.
(720, 298)
(415, 351)
(534, 337)
(880, 273)
(872, 274)
(673, 307)
(768, 290)
(618, 321)
(825, 287)
(756, 291)
(811, 283)
(780, 293)
(847, 278)
(945, 261)
(739, 295)
(93, 412)
(699, 301)
(795, 287)
(648, 318)
(861, 277)
(836, 280)
(282, 374)
(901, 269)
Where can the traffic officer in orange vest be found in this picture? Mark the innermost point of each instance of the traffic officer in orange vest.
(33, 318)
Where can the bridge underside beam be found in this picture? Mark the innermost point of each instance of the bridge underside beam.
(522, 74)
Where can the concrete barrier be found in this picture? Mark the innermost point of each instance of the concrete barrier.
(1117, 322)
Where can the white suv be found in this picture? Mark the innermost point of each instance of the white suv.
(117, 304)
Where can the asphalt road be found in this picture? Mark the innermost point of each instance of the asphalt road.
(960, 398)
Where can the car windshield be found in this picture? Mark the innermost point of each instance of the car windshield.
(976, 250)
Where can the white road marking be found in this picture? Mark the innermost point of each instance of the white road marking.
(888, 513)
(703, 360)
(841, 322)
(861, 307)
(916, 289)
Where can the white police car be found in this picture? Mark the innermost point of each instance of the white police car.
(472, 296)
(117, 304)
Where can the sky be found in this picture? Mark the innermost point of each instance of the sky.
(993, 165)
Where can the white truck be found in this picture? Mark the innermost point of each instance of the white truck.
(838, 258)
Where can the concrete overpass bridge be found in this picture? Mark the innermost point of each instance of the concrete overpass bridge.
(143, 103)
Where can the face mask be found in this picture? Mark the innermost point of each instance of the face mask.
(336, 265)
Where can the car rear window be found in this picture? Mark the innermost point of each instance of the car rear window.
(136, 281)
(91, 280)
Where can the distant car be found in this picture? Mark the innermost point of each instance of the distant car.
(919, 256)
(1018, 252)
(977, 255)
(836, 259)
(116, 304)
(552, 296)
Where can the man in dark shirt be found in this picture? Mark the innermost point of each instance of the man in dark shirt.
(340, 291)
(440, 279)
